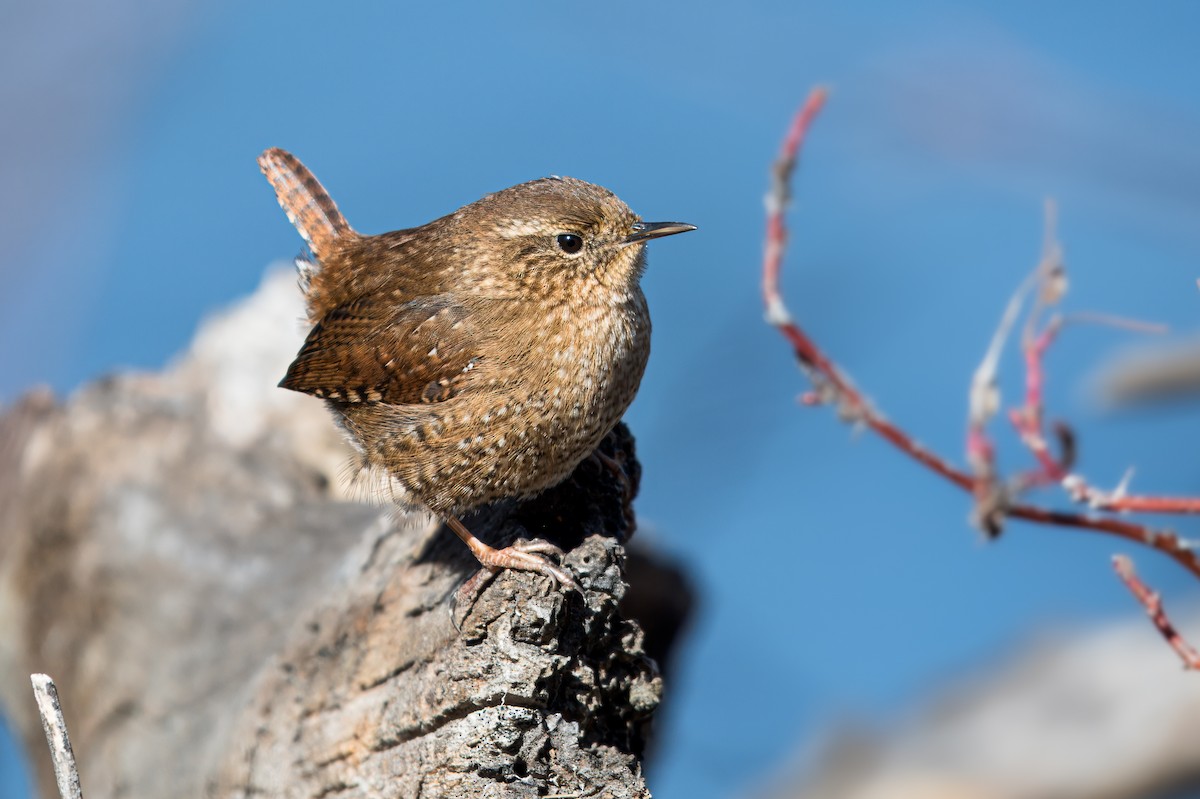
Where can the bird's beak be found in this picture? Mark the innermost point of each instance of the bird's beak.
(644, 231)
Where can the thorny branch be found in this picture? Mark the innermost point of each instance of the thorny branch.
(995, 499)
(1152, 602)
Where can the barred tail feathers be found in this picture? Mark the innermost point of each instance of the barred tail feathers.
(307, 205)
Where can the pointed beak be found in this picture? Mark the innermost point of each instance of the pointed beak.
(644, 231)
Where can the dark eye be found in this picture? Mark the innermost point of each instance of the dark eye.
(569, 243)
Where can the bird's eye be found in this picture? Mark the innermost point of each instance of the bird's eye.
(569, 243)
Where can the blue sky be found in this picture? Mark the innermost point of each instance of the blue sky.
(839, 581)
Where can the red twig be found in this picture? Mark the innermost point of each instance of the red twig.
(778, 198)
(833, 386)
(1028, 420)
(1180, 505)
(1152, 602)
(1165, 541)
(1118, 501)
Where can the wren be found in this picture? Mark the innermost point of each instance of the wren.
(481, 356)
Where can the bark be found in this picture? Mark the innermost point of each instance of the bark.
(178, 553)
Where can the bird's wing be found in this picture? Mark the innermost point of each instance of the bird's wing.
(417, 352)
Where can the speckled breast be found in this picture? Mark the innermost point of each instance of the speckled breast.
(544, 412)
(580, 380)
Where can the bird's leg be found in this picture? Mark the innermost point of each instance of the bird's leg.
(618, 471)
(527, 556)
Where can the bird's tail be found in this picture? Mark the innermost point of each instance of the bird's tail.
(307, 205)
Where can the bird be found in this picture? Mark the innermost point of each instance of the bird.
(481, 356)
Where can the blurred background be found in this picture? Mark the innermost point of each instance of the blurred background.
(840, 585)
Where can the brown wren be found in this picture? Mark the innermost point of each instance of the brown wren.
(483, 355)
